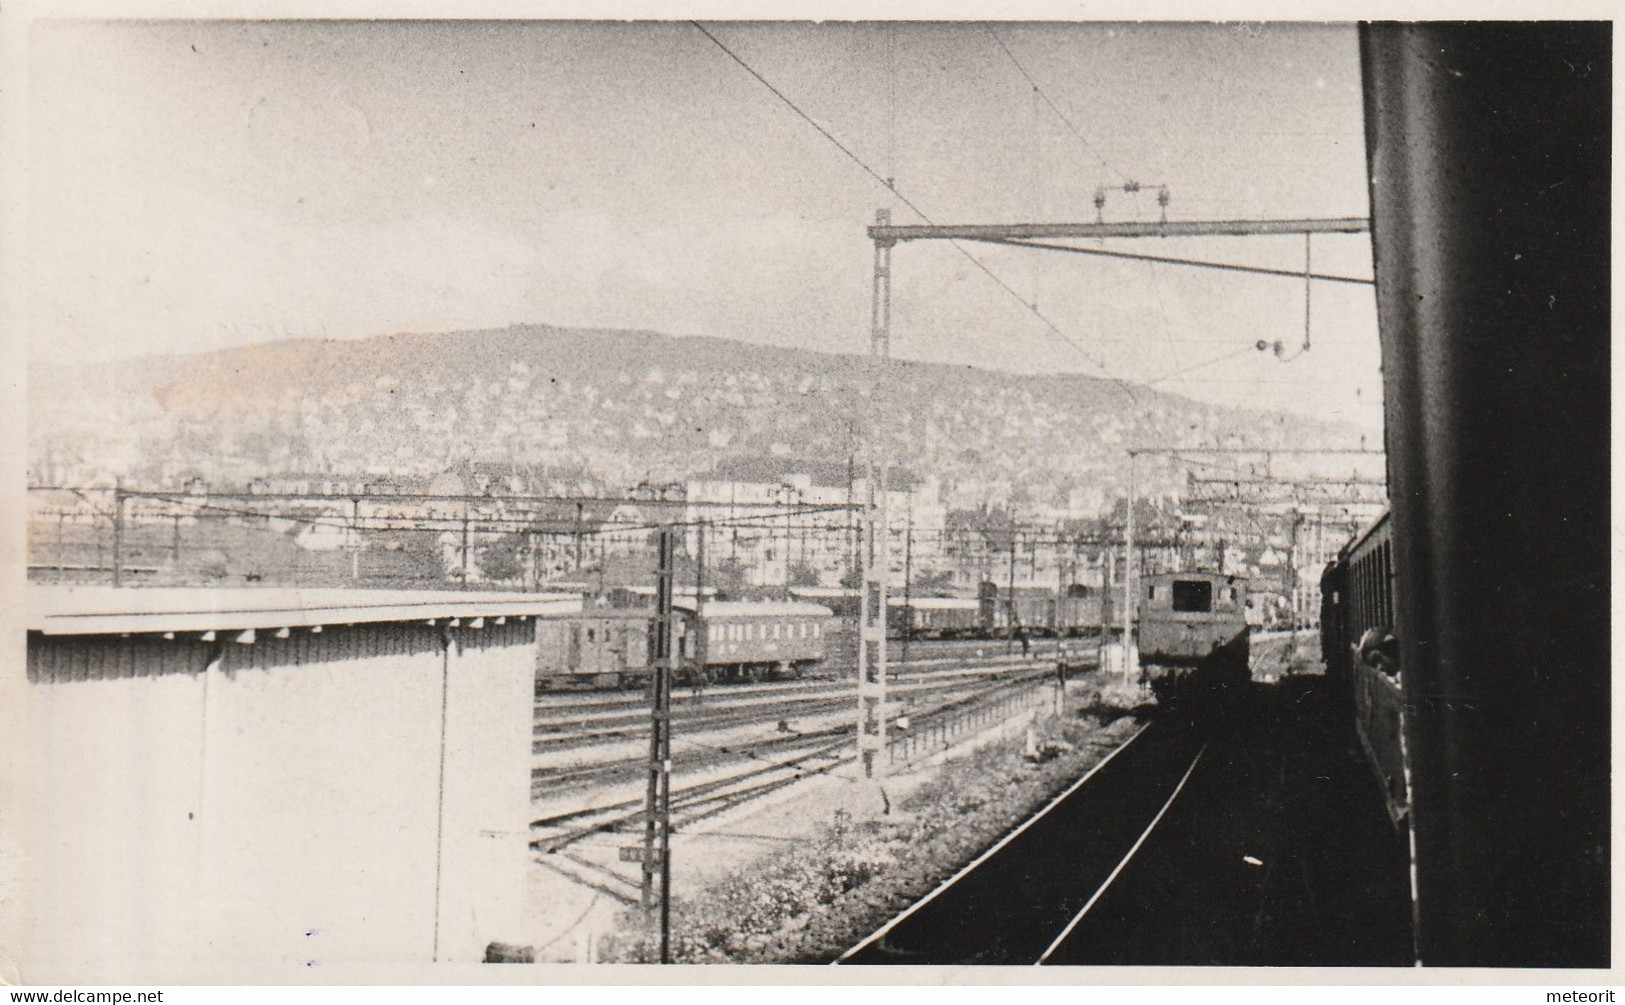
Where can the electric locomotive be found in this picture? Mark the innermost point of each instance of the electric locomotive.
(1194, 636)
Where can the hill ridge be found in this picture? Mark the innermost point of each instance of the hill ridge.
(617, 405)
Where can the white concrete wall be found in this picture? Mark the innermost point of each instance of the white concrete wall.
(280, 812)
(321, 786)
(111, 835)
(486, 833)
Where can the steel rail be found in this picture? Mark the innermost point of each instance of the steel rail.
(1073, 924)
(946, 884)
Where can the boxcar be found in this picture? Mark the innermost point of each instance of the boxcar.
(598, 648)
(1044, 613)
(934, 617)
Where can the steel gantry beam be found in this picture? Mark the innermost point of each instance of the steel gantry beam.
(886, 235)
(884, 231)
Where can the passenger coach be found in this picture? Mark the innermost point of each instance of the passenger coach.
(1361, 651)
(610, 648)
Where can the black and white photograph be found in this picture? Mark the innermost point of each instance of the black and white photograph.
(492, 499)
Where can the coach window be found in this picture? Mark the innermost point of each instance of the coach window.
(1388, 580)
(1366, 616)
(1370, 575)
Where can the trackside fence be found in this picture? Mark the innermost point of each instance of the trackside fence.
(943, 730)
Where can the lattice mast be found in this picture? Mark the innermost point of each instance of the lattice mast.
(874, 554)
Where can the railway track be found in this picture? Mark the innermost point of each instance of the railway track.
(824, 751)
(1021, 899)
(548, 781)
(563, 705)
(948, 693)
(599, 727)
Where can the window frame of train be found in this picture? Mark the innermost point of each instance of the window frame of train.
(1195, 591)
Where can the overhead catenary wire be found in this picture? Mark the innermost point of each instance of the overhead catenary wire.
(1199, 366)
(891, 186)
(517, 521)
(1038, 90)
(891, 105)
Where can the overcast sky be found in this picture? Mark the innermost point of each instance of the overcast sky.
(194, 185)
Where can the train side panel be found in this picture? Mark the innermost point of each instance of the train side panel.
(1363, 655)
(595, 649)
(762, 644)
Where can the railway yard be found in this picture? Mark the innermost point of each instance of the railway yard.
(1060, 822)
(600, 645)
(741, 751)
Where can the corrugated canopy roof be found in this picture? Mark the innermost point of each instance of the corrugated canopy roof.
(99, 610)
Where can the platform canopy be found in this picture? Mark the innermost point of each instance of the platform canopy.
(103, 610)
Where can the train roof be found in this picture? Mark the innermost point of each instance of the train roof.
(1197, 574)
(1363, 536)
(681, 591)
(104, 610)
(936, 603)
(823, 592)
(719, 609)
(757, 609)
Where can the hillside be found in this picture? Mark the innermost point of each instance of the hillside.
(618, 406)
